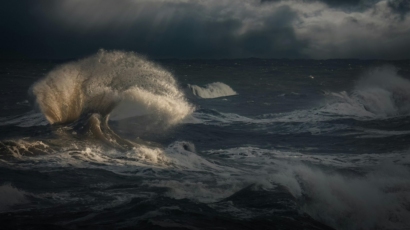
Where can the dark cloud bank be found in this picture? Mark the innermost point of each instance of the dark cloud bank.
(368, 29)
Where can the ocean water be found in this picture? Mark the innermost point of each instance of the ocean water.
(116, 141)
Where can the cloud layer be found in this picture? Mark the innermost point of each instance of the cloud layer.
(213, 28)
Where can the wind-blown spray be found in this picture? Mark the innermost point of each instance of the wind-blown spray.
(120, 84)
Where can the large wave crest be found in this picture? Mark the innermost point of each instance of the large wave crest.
(110, 85)
(122, 84)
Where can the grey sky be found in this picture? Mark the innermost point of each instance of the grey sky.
(370, 29)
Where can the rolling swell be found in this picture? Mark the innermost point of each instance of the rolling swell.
(109, 85)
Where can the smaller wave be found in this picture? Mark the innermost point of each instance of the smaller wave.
(212, 90)
(10, 196)
(183, 155)
(377, 199)
(380, 93)
(375, 133)
(23, 147)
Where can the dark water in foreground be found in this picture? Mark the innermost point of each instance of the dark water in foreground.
(268, 144)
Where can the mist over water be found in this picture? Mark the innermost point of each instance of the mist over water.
(121, 142)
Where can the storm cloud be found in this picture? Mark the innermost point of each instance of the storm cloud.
(319, 29)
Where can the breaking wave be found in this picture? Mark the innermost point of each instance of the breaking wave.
(10, 196)
(375, 201)
(212, 90)
(122, 84)
(381, 92)
(378, 199)
(110, 85)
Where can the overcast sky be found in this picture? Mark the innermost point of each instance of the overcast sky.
(319, 29)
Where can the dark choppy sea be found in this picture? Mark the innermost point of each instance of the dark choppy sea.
(231, 144)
